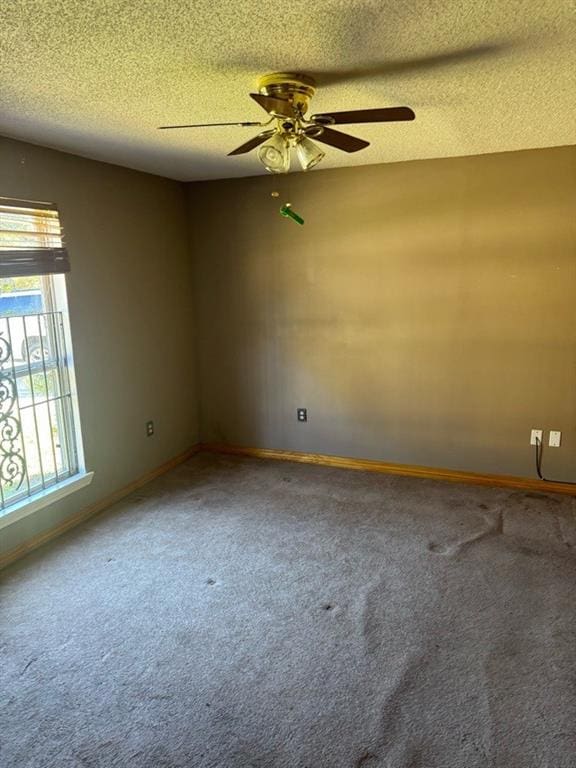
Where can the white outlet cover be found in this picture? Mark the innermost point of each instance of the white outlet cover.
(554, 440)
(536, 433)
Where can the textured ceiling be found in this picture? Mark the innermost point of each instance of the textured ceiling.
(96, 77)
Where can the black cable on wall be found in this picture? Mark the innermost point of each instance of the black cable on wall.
(539, 451)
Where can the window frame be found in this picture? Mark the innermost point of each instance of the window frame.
(66, 407)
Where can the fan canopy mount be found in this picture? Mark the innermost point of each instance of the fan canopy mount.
(288, 86)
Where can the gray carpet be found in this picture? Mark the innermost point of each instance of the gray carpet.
(238, 613)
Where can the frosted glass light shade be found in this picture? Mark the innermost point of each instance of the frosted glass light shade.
(308, 153)
(275, 154)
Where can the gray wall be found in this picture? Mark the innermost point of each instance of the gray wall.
(424, 314)
(130, 299)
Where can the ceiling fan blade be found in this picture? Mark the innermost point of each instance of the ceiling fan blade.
(385, 115)
(252, 143)
(340, 140)
(206, 125)
(273, 105)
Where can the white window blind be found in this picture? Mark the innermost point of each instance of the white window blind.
(31, 239)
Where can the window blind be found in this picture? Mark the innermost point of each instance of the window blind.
(31, 240)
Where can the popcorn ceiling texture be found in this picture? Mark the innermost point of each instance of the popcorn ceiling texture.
(96, 78)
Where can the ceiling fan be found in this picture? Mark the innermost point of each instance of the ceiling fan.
(286, 97)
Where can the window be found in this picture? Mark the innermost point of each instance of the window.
(40, 442)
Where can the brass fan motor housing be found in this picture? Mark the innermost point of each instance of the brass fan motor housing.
(296, 88)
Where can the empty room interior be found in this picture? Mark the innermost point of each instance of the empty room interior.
(287, 384)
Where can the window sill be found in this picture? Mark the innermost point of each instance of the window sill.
(44, 498)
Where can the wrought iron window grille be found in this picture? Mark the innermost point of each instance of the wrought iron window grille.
(37, 438)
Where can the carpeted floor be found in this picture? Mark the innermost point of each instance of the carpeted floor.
(238, 613)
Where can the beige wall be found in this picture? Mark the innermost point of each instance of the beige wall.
(424, 314)
(130, 304)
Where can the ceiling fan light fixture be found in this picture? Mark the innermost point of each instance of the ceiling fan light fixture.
(309, 154)
(286, 96)
(275, 154)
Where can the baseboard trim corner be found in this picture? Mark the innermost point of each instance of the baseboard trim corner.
(84, 514)
(384, 467)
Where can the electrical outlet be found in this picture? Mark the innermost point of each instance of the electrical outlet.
(302, 414)
(554, 440)
(536, 434)
(149, 428)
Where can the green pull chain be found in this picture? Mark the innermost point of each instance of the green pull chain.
(286, 210)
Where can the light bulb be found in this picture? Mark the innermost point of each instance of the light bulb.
(308, 153)
(275, 154)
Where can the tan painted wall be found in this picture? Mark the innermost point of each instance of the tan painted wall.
(131, 314)
(424, 314)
